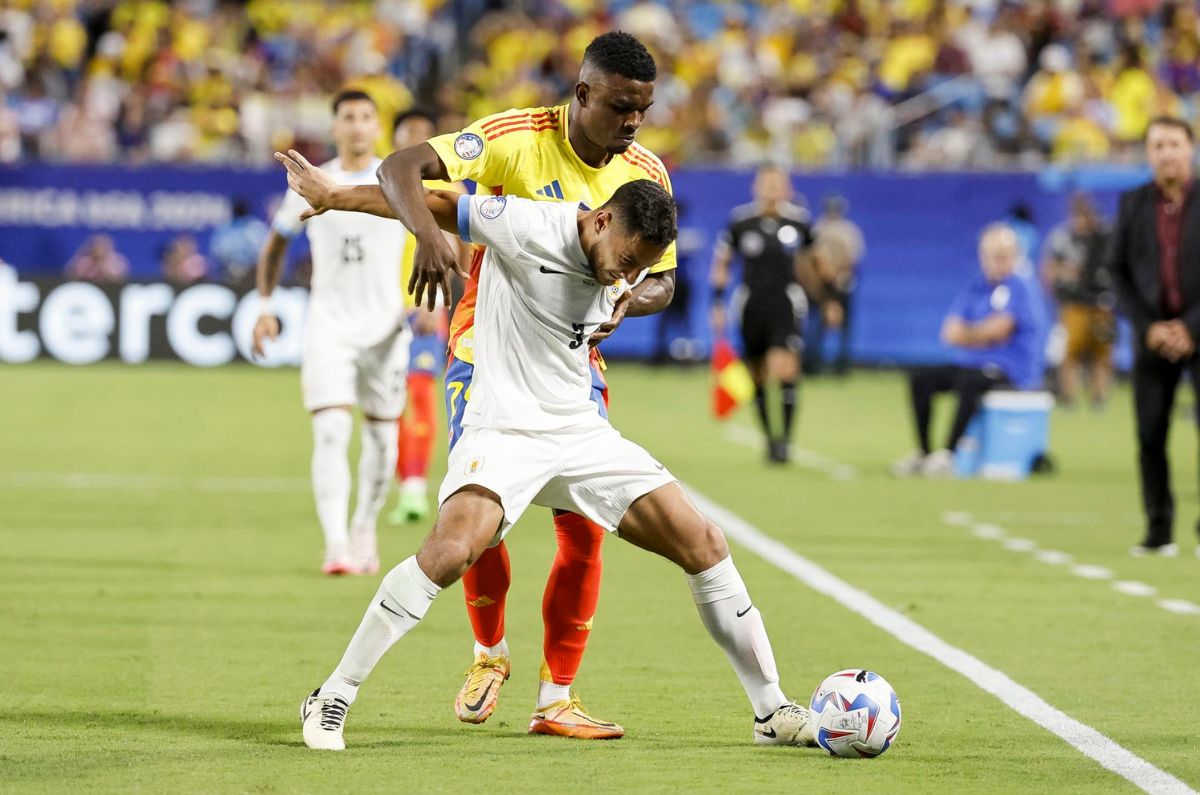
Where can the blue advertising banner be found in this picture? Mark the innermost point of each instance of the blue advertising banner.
(921, 233)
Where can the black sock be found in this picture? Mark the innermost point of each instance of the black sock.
(788, 390)
(760, 400)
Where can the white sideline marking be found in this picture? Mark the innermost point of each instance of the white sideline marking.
(1054, 557)
(118, 482)
(1091, 572)
(808, 459)
(1182, 606)
(1019, 698)
(988, 531)
(1134, 588)
(1020, 545)
(1066, 517)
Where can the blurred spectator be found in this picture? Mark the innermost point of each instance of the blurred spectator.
(1073, 268)
(98, 261)
(234, 245)
(993, 327)
(837, 249)
(850, 83)
(182, 262)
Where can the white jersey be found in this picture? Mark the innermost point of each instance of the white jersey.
(356, 292)
(538, 305)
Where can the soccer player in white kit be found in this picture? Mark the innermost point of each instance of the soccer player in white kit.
(551, 276)
(355, 339)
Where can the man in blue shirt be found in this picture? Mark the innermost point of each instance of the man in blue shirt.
(993, 325)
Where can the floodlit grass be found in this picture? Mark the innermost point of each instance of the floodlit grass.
(160, 631)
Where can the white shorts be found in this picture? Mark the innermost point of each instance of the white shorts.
(594, 471)
(336, 373)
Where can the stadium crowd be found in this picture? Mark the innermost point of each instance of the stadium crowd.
(924, 84)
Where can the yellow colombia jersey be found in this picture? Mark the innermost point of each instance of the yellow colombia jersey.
(527, 153)
(410, 244)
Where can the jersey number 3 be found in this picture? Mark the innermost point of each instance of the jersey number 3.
(578, 329)
(352, 250)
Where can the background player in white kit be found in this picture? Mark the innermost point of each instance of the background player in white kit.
(355, 339)
(551, 276)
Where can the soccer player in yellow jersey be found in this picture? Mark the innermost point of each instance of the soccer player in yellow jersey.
(582, 152)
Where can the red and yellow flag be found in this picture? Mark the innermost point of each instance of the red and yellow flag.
(732, 384)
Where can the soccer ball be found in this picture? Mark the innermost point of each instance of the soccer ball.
(855, 713)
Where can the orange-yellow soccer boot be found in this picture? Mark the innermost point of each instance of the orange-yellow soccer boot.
(569, 718)
(477, 699)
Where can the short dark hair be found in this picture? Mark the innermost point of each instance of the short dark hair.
(644, 208)
(1172, 121)
(414, 113)
(619, 53)
(351, 95)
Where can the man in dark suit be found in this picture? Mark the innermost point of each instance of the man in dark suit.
(1155, 261)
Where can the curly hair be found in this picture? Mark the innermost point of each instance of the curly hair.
(619, 53)
(645, 209)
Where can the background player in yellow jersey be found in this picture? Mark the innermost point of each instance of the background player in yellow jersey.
(428, 352)
(580, 152)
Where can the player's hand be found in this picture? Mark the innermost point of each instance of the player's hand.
(433, 264)
(717, 319)
(314, 185)
(267, 328)
(833, 314)
(606, 329)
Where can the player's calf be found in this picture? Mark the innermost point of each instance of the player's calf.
(665, 522)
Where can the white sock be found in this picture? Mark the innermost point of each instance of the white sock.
(401, 601)
(736, 625)
(499, 650)
(331, 478)
(376, 464)
(414, 485)
(548, 693)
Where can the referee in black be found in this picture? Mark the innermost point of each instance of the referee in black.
(773, 238)
(1155, 262)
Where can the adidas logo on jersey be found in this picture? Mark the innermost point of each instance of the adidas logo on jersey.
(551, 191)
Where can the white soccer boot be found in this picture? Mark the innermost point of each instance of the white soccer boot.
(323, 719)
(909, 466)
(788, 725)
(938, 465)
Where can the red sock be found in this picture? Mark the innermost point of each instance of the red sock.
(571, 595)
(417, 427)
(485, 586)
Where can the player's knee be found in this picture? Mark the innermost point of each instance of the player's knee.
(445, 557)
(707, 549)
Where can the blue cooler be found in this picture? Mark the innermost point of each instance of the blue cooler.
(1008, 432)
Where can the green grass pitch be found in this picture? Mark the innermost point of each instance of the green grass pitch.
(159, 631)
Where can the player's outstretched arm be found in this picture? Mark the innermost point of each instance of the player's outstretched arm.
(435, 259)
(322, 193)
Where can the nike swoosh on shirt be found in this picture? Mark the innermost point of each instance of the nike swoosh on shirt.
(479, 703)
(544, 269)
